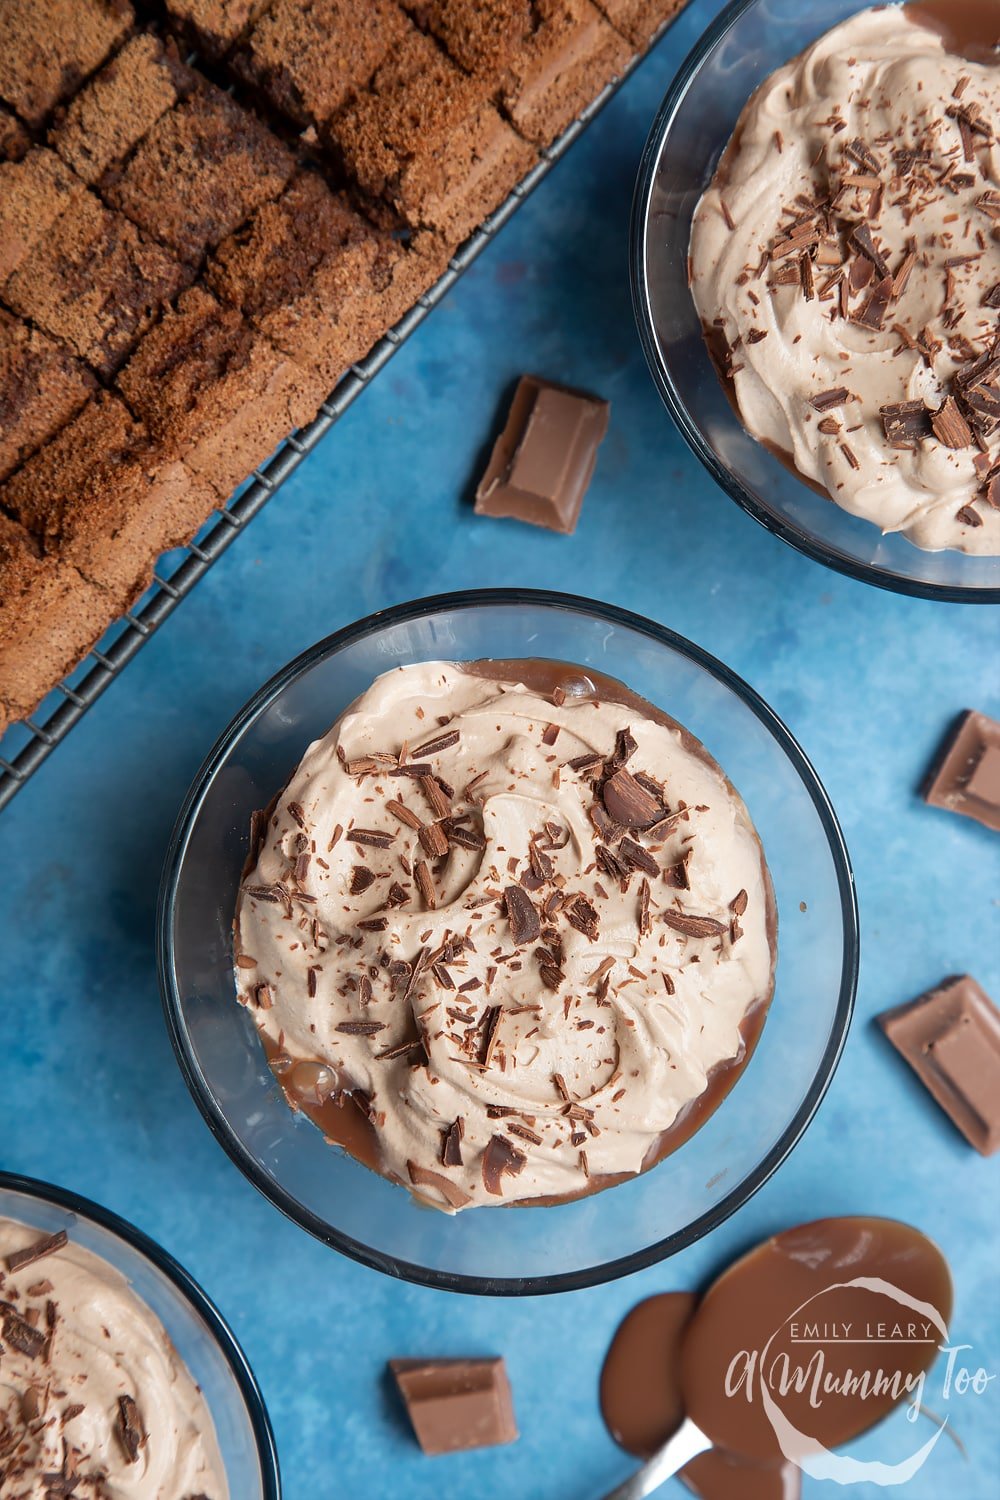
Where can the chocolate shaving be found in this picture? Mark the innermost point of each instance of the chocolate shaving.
(873, 310)
(377, 837)
(298, 813)
(452, 1194)
(634, 857)
(825, 400)
(500, 1159)
(432, 790)
(625, 747)
(968, 516)
(676, 875)
(739, 903)
(694, 926)
(403, 813)
(425, 882)
(437, 743)
(861, 239)
(47, 1245)
(992, 298)
(19, 1333)
(361, 879)
(434, 838)
(525, 1132)
(645, 925)
(863, 155)
(525, 926)
(130, 1429)
(582, 914)
(360, 1028)
(628, 802)
(950, 427)
(451, 1143)
(465, 838)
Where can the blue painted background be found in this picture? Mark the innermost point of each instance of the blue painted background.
(867, 681)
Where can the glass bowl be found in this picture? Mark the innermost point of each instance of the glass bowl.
(199, 1334)
(512, 1250)
(746, 43)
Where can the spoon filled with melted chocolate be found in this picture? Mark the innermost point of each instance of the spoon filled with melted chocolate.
(800, 1346)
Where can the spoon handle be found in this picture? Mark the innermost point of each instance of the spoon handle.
(687, 1442)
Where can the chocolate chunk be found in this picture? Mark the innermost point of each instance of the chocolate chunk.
(872, 312)
(543, 460)
(456, 1404)
(950, 1036)
(861, 239)
(634, 857)
(500, 1158)
(965, 777)
(47, 1245)
(628, 802)
(694, 926)
(130, 1428)
(582, 914)
(905, 421)
(525, 926)
(434, 839)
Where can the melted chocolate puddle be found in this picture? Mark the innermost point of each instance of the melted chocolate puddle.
(667, 1360)
(344, 1119)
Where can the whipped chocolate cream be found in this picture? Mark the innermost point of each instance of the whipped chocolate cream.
(521, 927)
(93, 1396)
(846, 267)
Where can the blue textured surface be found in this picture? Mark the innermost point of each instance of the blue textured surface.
(91, 1097)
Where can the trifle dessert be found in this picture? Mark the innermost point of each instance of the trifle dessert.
(507, 934)
(95, 1401)
(845, 263)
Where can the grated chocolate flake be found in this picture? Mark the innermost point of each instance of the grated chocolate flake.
(425, 883)
(826, 400)
(628, 802)
(360, 1028)
(436, 744)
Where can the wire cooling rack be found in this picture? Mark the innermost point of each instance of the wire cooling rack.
(27, 744)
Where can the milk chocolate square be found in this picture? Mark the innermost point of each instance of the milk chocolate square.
(965, 778)
(456, 1404)
(543, 460)
(951, 1038)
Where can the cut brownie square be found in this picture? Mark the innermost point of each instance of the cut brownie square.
(95, 283)
(202, 169)
(215, 392)
(639, 20)
(34, 194)
(41, 387)
(49, 618)
(111, 114)
(213, 26)
(480, 35)
(569, 56)
(15, 142)
(48, 47)
(102, 498)
(308, 59)
(313, 276)
(424, 139)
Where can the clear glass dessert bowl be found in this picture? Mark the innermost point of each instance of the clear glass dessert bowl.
(195, 1327)
(747, 42)
(510, 1250)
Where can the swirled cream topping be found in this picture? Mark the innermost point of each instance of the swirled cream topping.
(522, 929)
(846, 266)
(93, 1396)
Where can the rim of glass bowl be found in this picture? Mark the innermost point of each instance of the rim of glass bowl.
(215, 1117)
(803, 541)
(246, 1380)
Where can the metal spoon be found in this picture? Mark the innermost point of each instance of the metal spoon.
(686, 1443)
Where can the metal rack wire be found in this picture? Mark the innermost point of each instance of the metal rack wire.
(27, 744)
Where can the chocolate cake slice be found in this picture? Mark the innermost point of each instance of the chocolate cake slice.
(425, 139)
(200, 171)
(215, 392)
(638, 20)
(41, 388)
(48, 47)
